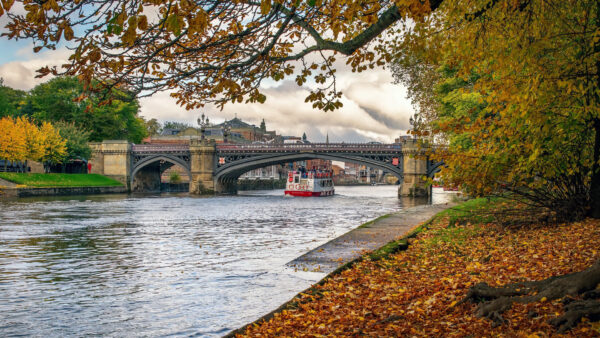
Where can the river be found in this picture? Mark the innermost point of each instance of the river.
(155, 265)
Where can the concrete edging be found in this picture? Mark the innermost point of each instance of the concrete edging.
(400, 242)
(60, 191)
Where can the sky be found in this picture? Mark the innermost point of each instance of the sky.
(374, 108)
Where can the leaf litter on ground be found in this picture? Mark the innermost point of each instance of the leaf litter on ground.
(418, 292)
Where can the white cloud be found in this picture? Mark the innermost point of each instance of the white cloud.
(21, 74)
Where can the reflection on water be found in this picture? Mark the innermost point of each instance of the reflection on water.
(167, 264)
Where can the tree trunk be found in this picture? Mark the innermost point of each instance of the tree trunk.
(492, 302)
(595, 187)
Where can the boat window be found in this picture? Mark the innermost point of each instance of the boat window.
(296, 179)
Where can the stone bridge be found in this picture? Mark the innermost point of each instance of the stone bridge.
(215, 168)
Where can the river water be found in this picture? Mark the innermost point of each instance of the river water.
(155, 265)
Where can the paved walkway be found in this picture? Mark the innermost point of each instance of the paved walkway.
(353, 244)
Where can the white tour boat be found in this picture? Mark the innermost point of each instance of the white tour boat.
(310, 183)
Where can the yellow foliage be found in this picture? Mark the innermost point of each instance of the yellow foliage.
(34, 140)
(21, 139)
(55, 147)
(12, 140)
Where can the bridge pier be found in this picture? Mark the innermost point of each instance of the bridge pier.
(202, 163)
(112, 159)
(226, 187)
(415, 171)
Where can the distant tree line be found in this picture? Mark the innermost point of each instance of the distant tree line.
(63, 99)
(78, 117)
(153, 127)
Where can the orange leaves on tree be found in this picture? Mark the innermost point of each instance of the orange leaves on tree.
(250, 40)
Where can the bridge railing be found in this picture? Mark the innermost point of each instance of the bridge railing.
(140, 148)
(310, 146)
(274, 147)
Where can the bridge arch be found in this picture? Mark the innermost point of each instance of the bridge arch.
(231, 172)
(173, 160)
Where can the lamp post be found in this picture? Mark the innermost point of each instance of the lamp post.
(203, 123)
(226, 129)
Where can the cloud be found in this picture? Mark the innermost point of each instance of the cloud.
(374, 108)
(21, 74)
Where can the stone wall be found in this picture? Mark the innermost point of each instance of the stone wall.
(36, 167)
(112, 159)
(29, 192)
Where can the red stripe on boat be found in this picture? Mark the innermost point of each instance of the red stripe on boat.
(303, 193)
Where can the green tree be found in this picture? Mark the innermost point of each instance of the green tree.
(64, 99)
(153, 127)
(77, 139)
(11, 100)
(176, 125)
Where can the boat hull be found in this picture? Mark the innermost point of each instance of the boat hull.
(309, 193)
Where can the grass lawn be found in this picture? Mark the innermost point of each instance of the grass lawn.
(59, 180)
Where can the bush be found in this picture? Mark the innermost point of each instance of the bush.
(174, 178)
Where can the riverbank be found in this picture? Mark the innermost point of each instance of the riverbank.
(367, 237)
(59, 180)
(414, 285)
(28, 185)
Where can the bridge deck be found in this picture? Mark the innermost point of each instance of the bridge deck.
(322, 147)
(270, 148)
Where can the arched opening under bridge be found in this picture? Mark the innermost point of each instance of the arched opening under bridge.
(161, 173)
(227, 175)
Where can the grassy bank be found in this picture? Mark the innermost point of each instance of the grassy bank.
(414, 286)
(59, 180)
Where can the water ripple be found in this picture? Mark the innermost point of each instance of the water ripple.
(172, 265)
